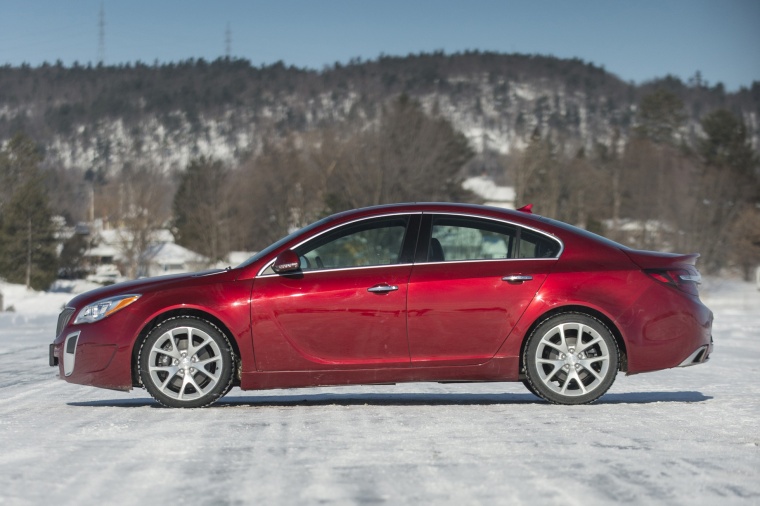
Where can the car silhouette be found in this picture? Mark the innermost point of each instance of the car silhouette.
(397, 293)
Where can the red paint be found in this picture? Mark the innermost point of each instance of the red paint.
(446, 321)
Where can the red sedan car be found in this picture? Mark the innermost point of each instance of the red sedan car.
(397, 293)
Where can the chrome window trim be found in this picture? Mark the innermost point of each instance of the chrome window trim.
(449, 262)
(319, 271)
(491, 218)
(261, 274)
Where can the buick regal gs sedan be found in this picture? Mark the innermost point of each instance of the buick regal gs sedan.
(397, 293)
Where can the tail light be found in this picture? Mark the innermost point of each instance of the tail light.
(682, 279)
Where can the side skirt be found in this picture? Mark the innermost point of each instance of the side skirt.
(497, 369)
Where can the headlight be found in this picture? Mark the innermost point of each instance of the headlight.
(103, 308)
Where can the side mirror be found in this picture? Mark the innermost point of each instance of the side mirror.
(287, 261)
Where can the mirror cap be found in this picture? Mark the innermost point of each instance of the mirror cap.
(287, 261)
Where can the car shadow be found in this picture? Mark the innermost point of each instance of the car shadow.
(405, 399)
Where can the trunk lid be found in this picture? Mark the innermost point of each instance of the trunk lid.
(672, 269)
(657, 260)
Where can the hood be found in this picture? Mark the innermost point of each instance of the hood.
(145, 285)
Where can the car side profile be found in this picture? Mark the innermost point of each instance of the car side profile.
(397, 293)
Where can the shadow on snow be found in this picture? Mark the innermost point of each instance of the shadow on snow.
(404, 399)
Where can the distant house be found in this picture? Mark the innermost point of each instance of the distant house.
(235, 258)
(100, 262)
(170, 258)
(106, 262)
(492, 194)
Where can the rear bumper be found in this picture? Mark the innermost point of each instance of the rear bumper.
(667, 328)
(700, 356)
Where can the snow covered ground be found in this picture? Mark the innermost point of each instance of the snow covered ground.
(683, 436)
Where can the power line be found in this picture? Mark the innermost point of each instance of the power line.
(228, 42)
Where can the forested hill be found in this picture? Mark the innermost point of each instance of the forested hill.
(106, 116)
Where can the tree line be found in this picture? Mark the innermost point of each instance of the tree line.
(652, 190)
(655, 191)
(70, 108)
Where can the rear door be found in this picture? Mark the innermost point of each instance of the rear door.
(472, 280)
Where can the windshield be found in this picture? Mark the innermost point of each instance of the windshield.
(261, 254)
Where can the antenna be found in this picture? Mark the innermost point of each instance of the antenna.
(228, 41)
(102, 35)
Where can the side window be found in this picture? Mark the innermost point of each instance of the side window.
(367, 243)
(533, 245)
(462, 238)
(457, 238)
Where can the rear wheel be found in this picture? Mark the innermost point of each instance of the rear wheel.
(186, 362)
(571, 358)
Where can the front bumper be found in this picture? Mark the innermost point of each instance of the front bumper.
(94, 354)
(66, 354)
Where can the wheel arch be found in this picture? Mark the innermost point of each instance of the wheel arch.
(196, 313)
(623, 365)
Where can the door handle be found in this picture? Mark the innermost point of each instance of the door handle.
(382, 288)
(517, 278)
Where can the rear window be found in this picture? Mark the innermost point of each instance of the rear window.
(583, 232)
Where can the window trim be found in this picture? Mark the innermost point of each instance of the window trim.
(404, 246)
(426, 233)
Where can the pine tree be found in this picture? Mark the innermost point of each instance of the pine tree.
(727, 144)
(661, 114)
(27, 235)
(201, 209)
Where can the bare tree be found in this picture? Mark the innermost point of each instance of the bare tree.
(145, 196)
(536, 177)
(407, 156)
(276, 192)
(745, 244)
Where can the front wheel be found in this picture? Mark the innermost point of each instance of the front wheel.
(186, 362)
(571, 359)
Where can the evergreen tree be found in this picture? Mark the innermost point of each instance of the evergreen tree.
(71, 261)
(201, 209)
(27, 235)
(660, 115)
(727, 144)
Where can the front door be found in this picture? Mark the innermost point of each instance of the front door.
(345, 307)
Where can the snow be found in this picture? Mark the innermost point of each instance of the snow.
(682, 436)
(171, 253)
(488, 190)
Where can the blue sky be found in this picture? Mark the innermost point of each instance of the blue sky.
(635, 39)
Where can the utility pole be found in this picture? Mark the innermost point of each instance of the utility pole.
(29, 256)
(102, 36)
(92, 203)
(228, 42)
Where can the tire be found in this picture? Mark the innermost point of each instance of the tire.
(559, 371)
(186, 362)
(530, 388)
